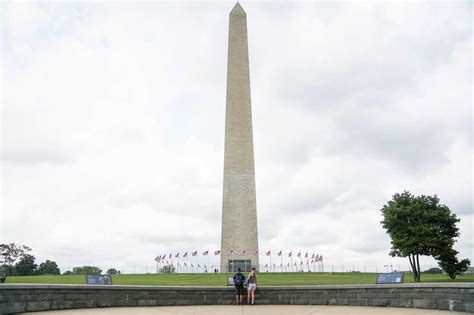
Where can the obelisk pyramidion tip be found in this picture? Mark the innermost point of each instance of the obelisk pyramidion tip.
(237, 9)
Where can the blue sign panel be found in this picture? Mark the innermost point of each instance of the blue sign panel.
(99, 279)
(393, 277)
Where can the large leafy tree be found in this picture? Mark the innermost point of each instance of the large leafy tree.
(48, 268)
(26, 266)
(11, 253)
(420, 225)
(113, 271)
(167, 269)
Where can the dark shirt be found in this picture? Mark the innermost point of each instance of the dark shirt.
(243, 278)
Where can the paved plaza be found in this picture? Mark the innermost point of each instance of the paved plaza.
(257, 309)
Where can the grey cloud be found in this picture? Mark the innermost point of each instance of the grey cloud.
(399, 61)
(32, 156)
(311, 234)
(415, 145)
(369, 242)
(186, 239)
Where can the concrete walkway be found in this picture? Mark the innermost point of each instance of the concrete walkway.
(257, 309)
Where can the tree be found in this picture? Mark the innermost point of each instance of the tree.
(49, 268)
(11, 253)
(26, 266)
(112, 271)
(434, 271)
(167, 269)
(419, 225)
(449, 262)
(86, 270)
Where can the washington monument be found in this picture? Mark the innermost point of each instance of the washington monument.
(239, 244)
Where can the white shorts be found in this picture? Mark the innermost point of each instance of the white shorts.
(252, 286)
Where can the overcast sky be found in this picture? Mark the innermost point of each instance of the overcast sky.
(113, 125)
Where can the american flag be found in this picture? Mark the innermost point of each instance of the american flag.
(268, 253)
(306, 255)
(205, 253)
(192, 265)
(290, 254)
(232, 252)
(316, 258)
(170, 255)
(177, 255)
(199, 266)
(158, 258)
(244, 252)
(266, 265)
(217, 252)
(279, 253)
(185, 254)
(321, 258)
(299, 254)
(312, 257)
(164, 256)
(194, 253)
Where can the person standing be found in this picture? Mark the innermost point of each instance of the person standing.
(252, 286)
(239, 280)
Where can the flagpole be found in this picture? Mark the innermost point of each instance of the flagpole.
(281, 260)
(171, 259)
(270, 261)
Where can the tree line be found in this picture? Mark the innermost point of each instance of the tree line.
(16, 261)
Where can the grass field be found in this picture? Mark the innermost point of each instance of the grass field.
(264, 279)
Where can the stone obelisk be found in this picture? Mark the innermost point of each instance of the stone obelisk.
(239, 244)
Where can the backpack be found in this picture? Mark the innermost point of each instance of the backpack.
(239, 279)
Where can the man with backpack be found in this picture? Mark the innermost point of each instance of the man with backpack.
(239, 280)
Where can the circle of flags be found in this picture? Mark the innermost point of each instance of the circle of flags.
(303, 262)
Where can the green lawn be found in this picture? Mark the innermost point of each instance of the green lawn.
(264, 279)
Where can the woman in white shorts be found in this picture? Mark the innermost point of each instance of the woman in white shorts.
(252, 285)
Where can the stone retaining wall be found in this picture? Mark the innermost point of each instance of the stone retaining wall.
(16, 298)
